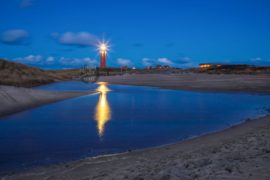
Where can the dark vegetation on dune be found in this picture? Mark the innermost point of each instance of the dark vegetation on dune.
(233, 69)
(224, 69)
(17, 74)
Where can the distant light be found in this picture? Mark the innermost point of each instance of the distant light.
(133, 68)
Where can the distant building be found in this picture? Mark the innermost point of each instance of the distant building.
(166, 66)
(210, 65)
(158, 67)
(123, 67)
(150, 67)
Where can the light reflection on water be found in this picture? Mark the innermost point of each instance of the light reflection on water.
(103, 110)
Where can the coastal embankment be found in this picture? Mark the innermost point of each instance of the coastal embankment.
(15, 99)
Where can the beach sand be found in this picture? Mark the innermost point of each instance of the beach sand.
(239, 152)
(196, 82)
(15, 99)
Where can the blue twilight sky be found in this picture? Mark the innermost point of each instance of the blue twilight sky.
(63, 34)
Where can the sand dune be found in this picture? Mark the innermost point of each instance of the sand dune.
(14, 99)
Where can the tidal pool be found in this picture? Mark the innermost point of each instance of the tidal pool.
(116, 120)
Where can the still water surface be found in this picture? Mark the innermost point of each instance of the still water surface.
(117, 119)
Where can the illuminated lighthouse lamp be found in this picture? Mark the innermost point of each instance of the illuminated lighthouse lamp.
(103, 47)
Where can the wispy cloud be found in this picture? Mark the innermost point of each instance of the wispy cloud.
(75, 62)
(15, 37)
(26, 3)
(79, 39)
(123, 62)
(164, 61)
(260, 61)
(148, 62)
(31, 59)
(50, 60)
(256, 59)
(34, 60)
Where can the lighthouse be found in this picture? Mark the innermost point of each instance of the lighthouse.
(103, 55)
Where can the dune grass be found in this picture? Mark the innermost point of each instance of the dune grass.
(17, 74)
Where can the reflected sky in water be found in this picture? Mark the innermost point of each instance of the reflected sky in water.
(117, 119)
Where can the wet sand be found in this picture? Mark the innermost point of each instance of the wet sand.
(15, 99)
(196, 82)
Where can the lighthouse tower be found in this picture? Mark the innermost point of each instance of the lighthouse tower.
(103, 55)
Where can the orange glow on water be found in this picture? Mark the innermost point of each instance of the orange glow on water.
(103, 110)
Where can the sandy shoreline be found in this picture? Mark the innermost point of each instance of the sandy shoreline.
(240, 152)
(15, 99)
(196, 82)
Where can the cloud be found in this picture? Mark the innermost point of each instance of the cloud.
(80, 39)
(148, 62)
(50, 60)
(164, 61)
(15, 37)
(31, 59)
(186, 59)
(34, 60)
(26, 3)
(124, 62)
(256, 59)
(260, 61)
(77, 62)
